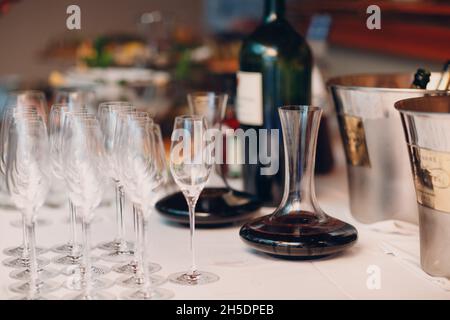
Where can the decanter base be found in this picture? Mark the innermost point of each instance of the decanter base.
(299, 234)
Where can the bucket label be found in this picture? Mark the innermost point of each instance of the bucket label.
(432, 177)
(354, 138)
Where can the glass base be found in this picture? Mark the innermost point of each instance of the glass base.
(138, 282)
(68, 260)
(155, 294)
(96, 295)
(34, 297)
(42, 288)
(44, 274)
(18, 251)
(97, 270)
(299, 234)
(67, 248)
(118, 256)
(130, 268)
(23, 262)
(39, 223)
(76, 282)
(115, 245)
(197, 278)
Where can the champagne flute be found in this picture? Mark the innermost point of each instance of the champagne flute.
(27, 178)
(73, 259)
(19, 108)
(141, 171)
(21, 100)
(132, 266)
(25, 101)
(11, 114)
(190, 165)
(71, 248)
(108, 113)
(83, 156)
(76, 98)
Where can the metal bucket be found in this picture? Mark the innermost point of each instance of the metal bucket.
(426, 122)
(379, 176)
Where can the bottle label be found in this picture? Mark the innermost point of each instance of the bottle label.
(249, 98)
(432, 178)
(354, 137)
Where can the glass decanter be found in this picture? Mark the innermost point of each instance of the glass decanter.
(299, 227)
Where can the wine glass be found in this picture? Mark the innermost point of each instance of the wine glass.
(16, 110)
(108, 113)
(11, 102)
(190, 164)
(212, 106)
(83, 156)
(27, 178)
(26, 100)
(72, 258)
(71, 248)
(76, 98)
(141, 171)
(132, 266)
(11, 114)
(29, 99)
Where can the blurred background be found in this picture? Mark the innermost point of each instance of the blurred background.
(154, 51)
(35, 41)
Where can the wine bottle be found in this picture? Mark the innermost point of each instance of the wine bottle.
(421, 79)
(444, 81)
(275, 70)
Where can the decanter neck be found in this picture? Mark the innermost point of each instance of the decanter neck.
(300, 125)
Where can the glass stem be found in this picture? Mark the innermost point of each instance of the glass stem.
(192, 201)
(25, 240)
(144, 258)
(139, 244)
(120, 198)
(86, 226)
(34, 276)
(136, 238)
(73, 228)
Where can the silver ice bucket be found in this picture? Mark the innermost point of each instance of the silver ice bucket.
(379, 177)
(426, 122)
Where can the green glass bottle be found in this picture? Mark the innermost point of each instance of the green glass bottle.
(275, 70)
(421, 79)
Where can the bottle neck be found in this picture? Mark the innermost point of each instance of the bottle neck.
(273, 10)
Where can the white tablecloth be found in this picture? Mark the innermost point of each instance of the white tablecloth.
(245, 274)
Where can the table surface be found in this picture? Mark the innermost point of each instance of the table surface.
(246, 274)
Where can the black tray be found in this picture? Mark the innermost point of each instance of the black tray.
(215, 207)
